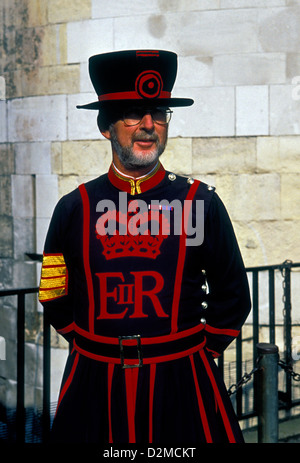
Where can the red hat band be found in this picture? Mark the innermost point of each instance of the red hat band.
(148, 84)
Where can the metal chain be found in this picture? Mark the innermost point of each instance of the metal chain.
(289, 369)
(244, 379)
(247, 376)
(286, 264)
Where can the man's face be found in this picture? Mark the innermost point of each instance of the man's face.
(140, 145)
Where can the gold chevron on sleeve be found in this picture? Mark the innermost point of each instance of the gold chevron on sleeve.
(54, 277)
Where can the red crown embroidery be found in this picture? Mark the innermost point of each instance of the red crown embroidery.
(141, 245)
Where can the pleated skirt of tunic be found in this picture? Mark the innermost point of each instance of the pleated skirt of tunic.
(176, 402)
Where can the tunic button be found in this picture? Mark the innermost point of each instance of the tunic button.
(204, 305)
(204, 288)
(210, 187)
(203, 272)
(172, 177)
(190, 180)
(203, 321)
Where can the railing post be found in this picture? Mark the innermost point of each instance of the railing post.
(46, 379)
(267, 393)
(20, 411)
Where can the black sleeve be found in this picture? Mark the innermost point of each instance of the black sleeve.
(55, 292)
(228, 300)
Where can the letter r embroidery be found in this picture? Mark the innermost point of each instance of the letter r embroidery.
(113, 295)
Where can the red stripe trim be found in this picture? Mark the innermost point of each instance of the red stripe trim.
(110, 372)
(218, 397)
(131, 377)
(67, 328)
(181, 258)
(130, 96)
(53, 266)
(147, 52)
(144, 341)
(68, 381)
(146, 361)
(225, 331)
(151, 396)
(201, 405)
(52, 288)
(213, 352)
(86, 253)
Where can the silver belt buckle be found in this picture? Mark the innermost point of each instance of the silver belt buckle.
(139, 351)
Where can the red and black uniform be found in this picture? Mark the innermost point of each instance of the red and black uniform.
(145, 313)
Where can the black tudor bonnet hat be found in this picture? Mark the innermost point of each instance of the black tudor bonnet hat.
(134, 77)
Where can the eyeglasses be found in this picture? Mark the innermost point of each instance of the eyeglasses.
(133, 116)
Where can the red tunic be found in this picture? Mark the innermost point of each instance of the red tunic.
(145, 313)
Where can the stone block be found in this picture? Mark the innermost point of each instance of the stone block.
(2, 88)
(40, 118)
(82, 124)
(104, 9)
(41, 228)
(6, 272)
(278, 154)
(50, 80)
(33, 365)
(86, 85)
(224, 155)
(48, 45)
(14, 83)
(98, 38)
(292, 65)
(242, 69)
(278, 29)
(34, 81)
(3, 122)
(46, 192)
(60, 10)
(24, 275)
(36, 13)
(284, 111)
(289, 151)
(251, 197)
(68, 183)
(9, 366)
(177, 156)
(8, 326)
(250, 3)
(290, 196)
(252, 110)
(200, 33)
(5, 195)
(212, 114)
(63, 43)
(64, 79)
(194, 71)
(56, 167)
(23, 196)
(6, 239)
(268, 158)
(24, 237)
(7, 159)
(268, 242)
(90, 158)
(33, 158)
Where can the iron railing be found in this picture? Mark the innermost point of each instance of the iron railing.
(243, 412)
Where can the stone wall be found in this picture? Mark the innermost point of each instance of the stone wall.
(239, 60)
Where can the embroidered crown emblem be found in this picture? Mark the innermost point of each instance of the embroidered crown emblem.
(133, 244)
